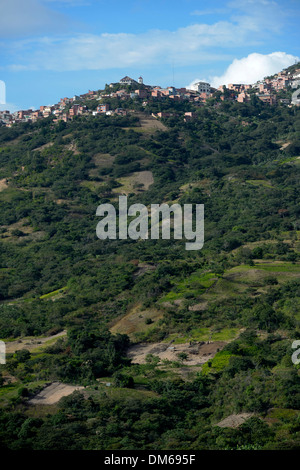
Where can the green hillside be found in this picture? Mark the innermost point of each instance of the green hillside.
(166, 342)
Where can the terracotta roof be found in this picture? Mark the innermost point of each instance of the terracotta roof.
(127, 78)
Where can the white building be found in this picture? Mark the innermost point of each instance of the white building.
(201, 87)
(127, 81)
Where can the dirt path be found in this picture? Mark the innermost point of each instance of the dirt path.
(31, 343)
(53, 393)
(42, 147)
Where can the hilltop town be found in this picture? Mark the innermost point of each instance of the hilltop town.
(270, 90)
(135, 342)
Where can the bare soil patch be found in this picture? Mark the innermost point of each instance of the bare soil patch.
(198, 307)
(176, 302)
(134, 183)
(73, 148)
(102, 160)
(144, 177)
(283, 145)
(197, 353)
(151, 123)
(234, 420)
(20, 225)
(9, 379)
(3, 184)
(53, 393)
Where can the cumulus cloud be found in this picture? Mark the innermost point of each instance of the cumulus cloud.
(193, 44)
(187, 46)
(191, 85)
(254, 67)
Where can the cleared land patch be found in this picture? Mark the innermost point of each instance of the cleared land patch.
(22, 225)
(150, 123)
(263, 183)
(103, 160)
(138, 181)
(137, 321)
(240, 278)
(16, 231)
(194, 285)
(234, 420)
(73, 147)
(3, 184)
(203, 334)
(195, 353)
(282, 270)
(53, 393)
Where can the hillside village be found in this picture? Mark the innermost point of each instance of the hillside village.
(134, 344)
(268, 90)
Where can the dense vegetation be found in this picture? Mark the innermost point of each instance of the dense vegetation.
(242, 162)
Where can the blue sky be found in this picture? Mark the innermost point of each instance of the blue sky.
(55, 48)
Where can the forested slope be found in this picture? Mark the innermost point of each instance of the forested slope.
(109, 296)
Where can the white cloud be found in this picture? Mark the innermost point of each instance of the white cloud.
(194, 44)
(263, 16)
(254, 67)
(191, 85)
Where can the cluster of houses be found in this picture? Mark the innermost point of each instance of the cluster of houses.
(199, 92)
(266, 90)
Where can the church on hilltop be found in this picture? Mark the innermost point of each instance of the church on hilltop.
(130, 81)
